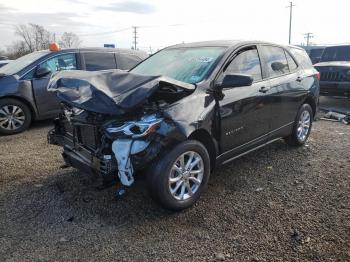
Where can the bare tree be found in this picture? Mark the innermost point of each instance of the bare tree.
(69, 40)
(35, 37)
(17, 49)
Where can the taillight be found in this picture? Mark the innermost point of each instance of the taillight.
(318, 76)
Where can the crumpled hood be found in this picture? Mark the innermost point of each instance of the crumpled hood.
(111, 92)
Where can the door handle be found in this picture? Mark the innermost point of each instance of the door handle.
(299, 79)
(264, 89)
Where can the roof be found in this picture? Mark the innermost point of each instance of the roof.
(104, 49)
(221, 43)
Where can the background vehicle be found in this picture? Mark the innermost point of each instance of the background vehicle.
(315, 54)
(23, 82)
(4, 62)
(334, 67)
(215, 101)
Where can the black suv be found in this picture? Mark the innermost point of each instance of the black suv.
(183, 111)
(334, 67)
(23, 82)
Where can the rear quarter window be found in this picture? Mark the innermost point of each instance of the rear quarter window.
(99, 61)
(302, 57)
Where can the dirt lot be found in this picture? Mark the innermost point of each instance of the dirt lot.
(276, 204)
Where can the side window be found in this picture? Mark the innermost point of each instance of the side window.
(126, 61)
(61, 62)
(276, 61)
(302, 57)
(291, 63)
(99, 61)
(246, 62)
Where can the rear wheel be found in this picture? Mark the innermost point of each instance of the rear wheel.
(15, 116)
(302, 126)
(177, 180)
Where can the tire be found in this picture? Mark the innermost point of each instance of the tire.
(15, 116)
(302, 126)
(164, 169)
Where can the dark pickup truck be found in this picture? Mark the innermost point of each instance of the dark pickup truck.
(23, 82)
(334, 67)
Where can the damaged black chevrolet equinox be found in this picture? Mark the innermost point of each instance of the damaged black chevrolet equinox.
(183, 111)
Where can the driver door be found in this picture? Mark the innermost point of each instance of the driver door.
(244, 111)
(47, 102)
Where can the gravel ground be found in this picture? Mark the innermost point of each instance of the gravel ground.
(276, 204)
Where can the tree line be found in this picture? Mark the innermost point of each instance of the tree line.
(33, 37)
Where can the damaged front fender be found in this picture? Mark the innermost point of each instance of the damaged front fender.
(140, 149)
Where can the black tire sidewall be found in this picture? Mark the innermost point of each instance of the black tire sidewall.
(158, 183)
(26, 111)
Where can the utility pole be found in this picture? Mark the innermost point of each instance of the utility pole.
(135, 37)
(308, 36)
(290, 20)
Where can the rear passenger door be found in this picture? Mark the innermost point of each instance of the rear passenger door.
(96, 61)
(286, 92)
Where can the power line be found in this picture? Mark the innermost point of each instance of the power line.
(290, 21)
(106, 33)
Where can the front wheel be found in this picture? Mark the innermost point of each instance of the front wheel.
(302, 126)
(177, 180)
(15, 116)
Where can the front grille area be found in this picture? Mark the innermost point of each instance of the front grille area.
(331, 76)
(68, 127)
(87, 136)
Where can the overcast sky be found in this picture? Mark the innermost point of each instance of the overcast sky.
(165, 22)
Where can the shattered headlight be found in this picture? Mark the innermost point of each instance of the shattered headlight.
(68, 112)
(136, 129)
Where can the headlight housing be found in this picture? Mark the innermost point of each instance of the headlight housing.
(137, 129)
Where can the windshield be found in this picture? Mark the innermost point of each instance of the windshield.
(336, 53)
(17, 65)
(189, 65)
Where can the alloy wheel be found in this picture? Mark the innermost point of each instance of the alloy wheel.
(11, 117)
(303, 125)
(186, 175)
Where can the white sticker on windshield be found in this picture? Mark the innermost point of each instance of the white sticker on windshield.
(194, 79)
(202, 59)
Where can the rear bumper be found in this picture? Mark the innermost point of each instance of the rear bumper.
(335, 88)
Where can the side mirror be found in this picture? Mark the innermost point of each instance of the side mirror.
(42, 72)
(236, 80)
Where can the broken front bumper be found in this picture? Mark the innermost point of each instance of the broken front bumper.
(81, 158)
